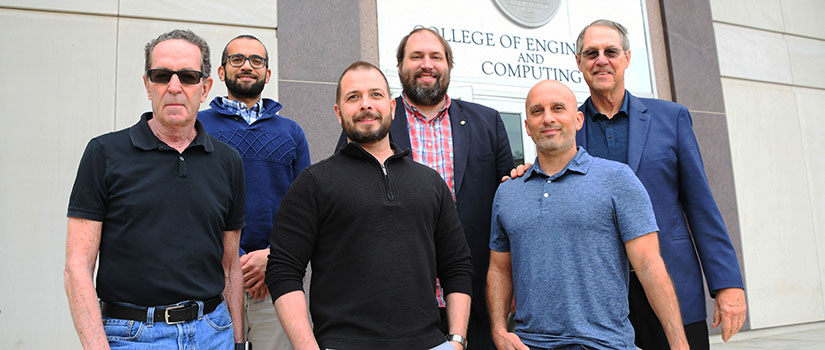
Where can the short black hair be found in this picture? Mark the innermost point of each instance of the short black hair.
(225, 54)
(358, 65)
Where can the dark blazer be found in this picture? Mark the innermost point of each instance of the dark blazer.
(664, 154)
(481, 156)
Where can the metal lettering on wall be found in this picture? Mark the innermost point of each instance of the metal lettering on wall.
(502, 48)
(530, 13)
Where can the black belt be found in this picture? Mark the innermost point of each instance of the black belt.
(169, 314)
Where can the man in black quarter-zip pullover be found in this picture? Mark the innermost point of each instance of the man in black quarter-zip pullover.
(378, 227)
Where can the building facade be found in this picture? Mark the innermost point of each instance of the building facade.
(749, 71)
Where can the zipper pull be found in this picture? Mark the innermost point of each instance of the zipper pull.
(384, 169)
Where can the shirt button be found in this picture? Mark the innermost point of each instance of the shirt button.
(549, 181)
(546, 195)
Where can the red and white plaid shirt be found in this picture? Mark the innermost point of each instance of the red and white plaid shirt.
(431, 141)
(431, 144)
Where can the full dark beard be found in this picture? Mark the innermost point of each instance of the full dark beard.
(240, 91)
(425, 96)
(360, 137)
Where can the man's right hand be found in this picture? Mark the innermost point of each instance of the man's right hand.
(253, 266)
(508, 340)
(517, 172)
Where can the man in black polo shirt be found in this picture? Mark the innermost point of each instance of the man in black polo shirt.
(162, 203)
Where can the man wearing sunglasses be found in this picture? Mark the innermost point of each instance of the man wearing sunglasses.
(160, 205)
(274, 150)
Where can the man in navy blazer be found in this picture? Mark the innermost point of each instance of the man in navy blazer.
(465, 142)
(655, 138)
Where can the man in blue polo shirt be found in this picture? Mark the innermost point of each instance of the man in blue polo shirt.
(561, 238)
(160, 205)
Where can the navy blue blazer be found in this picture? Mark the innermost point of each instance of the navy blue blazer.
(481, 156)
(664, 154)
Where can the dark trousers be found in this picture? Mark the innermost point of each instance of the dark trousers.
(649, 332)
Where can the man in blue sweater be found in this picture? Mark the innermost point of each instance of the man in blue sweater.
(274, 150)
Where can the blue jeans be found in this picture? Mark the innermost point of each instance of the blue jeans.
(210, 331)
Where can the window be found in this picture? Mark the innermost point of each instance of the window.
(513, 123)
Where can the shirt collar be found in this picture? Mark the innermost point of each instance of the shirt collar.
(238, 106)
(353, 149)
(580, 164)
(142, 136)
(240, 109)
(590, 109)
(412, 110)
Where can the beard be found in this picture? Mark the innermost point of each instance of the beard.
(424, 96)
(240, 91)
(366, 136)
(563, 142)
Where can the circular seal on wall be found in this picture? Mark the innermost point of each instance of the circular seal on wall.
(529, 13)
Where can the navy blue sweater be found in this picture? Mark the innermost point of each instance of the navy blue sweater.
(274, 151)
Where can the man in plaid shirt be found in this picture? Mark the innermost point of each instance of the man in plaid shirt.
(464, 142)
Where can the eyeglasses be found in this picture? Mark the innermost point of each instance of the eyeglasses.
(610, 52)
(238, 60)
(187, 76)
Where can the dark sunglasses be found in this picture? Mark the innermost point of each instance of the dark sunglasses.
(187, 76)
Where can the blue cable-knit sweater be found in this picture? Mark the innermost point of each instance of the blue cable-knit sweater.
(274, 151)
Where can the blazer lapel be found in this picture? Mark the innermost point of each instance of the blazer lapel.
(581, 135)
(637, 135)
(399, 133)
(461, 142)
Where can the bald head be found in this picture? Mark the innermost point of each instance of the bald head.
(550, 89)
(553, 119)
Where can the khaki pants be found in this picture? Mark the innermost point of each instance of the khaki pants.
(263, 329)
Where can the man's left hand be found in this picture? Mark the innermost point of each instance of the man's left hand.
(517, 172)
(729, 311)
(253, 265)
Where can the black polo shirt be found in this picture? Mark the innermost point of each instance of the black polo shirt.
(163, 213)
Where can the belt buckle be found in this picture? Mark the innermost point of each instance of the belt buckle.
(166, 313)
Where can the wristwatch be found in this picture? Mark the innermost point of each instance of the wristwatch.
(458, 339)
(243, 346)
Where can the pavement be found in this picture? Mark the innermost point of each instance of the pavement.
(809, 336)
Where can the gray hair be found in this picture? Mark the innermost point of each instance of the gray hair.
(182, 34)
(604, 23)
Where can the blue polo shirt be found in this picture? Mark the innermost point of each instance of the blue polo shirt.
(607, 137)
(566, 233)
